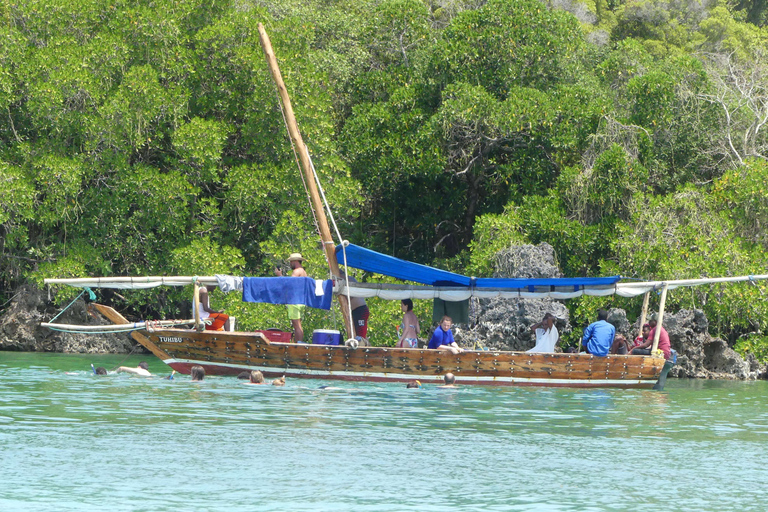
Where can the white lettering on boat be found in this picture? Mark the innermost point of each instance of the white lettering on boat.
(170, 339)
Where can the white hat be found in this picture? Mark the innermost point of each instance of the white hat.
(295, 257)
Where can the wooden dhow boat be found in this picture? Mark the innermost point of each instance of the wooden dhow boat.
(229, 353)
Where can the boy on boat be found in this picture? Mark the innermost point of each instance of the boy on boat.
(442, 338)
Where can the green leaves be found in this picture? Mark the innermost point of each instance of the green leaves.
(199, 145)
(17, 199)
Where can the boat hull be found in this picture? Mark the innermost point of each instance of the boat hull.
(229, 353)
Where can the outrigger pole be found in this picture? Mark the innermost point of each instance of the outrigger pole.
(293, 130)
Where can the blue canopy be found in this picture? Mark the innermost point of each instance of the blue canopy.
(372, 261)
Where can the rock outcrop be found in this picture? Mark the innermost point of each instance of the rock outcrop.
(504, 324)
(20, 327)
(699, 355)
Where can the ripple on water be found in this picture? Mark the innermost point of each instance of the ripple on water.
(79, 442)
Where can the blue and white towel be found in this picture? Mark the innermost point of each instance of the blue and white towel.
(289, 290)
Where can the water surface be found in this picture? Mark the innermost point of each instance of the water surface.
(71, 440)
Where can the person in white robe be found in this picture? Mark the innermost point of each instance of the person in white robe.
(546, 334)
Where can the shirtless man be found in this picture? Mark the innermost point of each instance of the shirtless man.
(142, 369)
(295, 311)
(450, 381)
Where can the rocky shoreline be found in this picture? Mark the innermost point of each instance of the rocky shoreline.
(499, 324)
(20, 328)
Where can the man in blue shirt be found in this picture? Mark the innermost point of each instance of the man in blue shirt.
(598, 337)
(442, 338)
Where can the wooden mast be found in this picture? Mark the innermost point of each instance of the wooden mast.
(317, 204)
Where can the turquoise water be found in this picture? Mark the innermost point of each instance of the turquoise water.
(70, 440)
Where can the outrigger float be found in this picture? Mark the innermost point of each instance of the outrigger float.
(229, 353)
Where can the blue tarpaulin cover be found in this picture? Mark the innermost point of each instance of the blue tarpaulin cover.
(372, 261)
(287, 290)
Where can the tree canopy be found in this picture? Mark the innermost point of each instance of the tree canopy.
(148, 139)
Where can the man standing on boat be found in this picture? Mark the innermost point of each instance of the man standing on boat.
(360, 312)
(598, 337)
(295, 311)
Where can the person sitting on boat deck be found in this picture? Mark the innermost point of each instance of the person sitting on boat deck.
(409, 329)
(360, 311)
(197, 373)
(280, 381)
(620, 345)
(218, 318)
(295, 311)
(641, 339)
(442, 338)
(644, 349)
(142, 369)
(546, 334)
(256, 377)
(450, 381)
(598, 336)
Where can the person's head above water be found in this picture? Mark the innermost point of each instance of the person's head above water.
(197, 373)
(449, 378)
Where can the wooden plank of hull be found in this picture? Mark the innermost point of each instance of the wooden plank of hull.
(231, 352)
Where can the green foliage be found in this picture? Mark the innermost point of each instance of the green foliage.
(492, 233)
(743, 195)
(756, 344)
(508, 43)
(146, 138)
(199, 145)
(651, 95)
(628, 60)
(604, 191)
(17, 199)
(206, 257)
(579, 247)
(685, 235)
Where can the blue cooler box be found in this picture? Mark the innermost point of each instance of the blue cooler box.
(326, 337)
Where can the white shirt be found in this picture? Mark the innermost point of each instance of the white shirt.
(545, 340)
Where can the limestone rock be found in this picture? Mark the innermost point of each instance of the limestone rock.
(20, 327)
(702, 356)
(504, 324)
